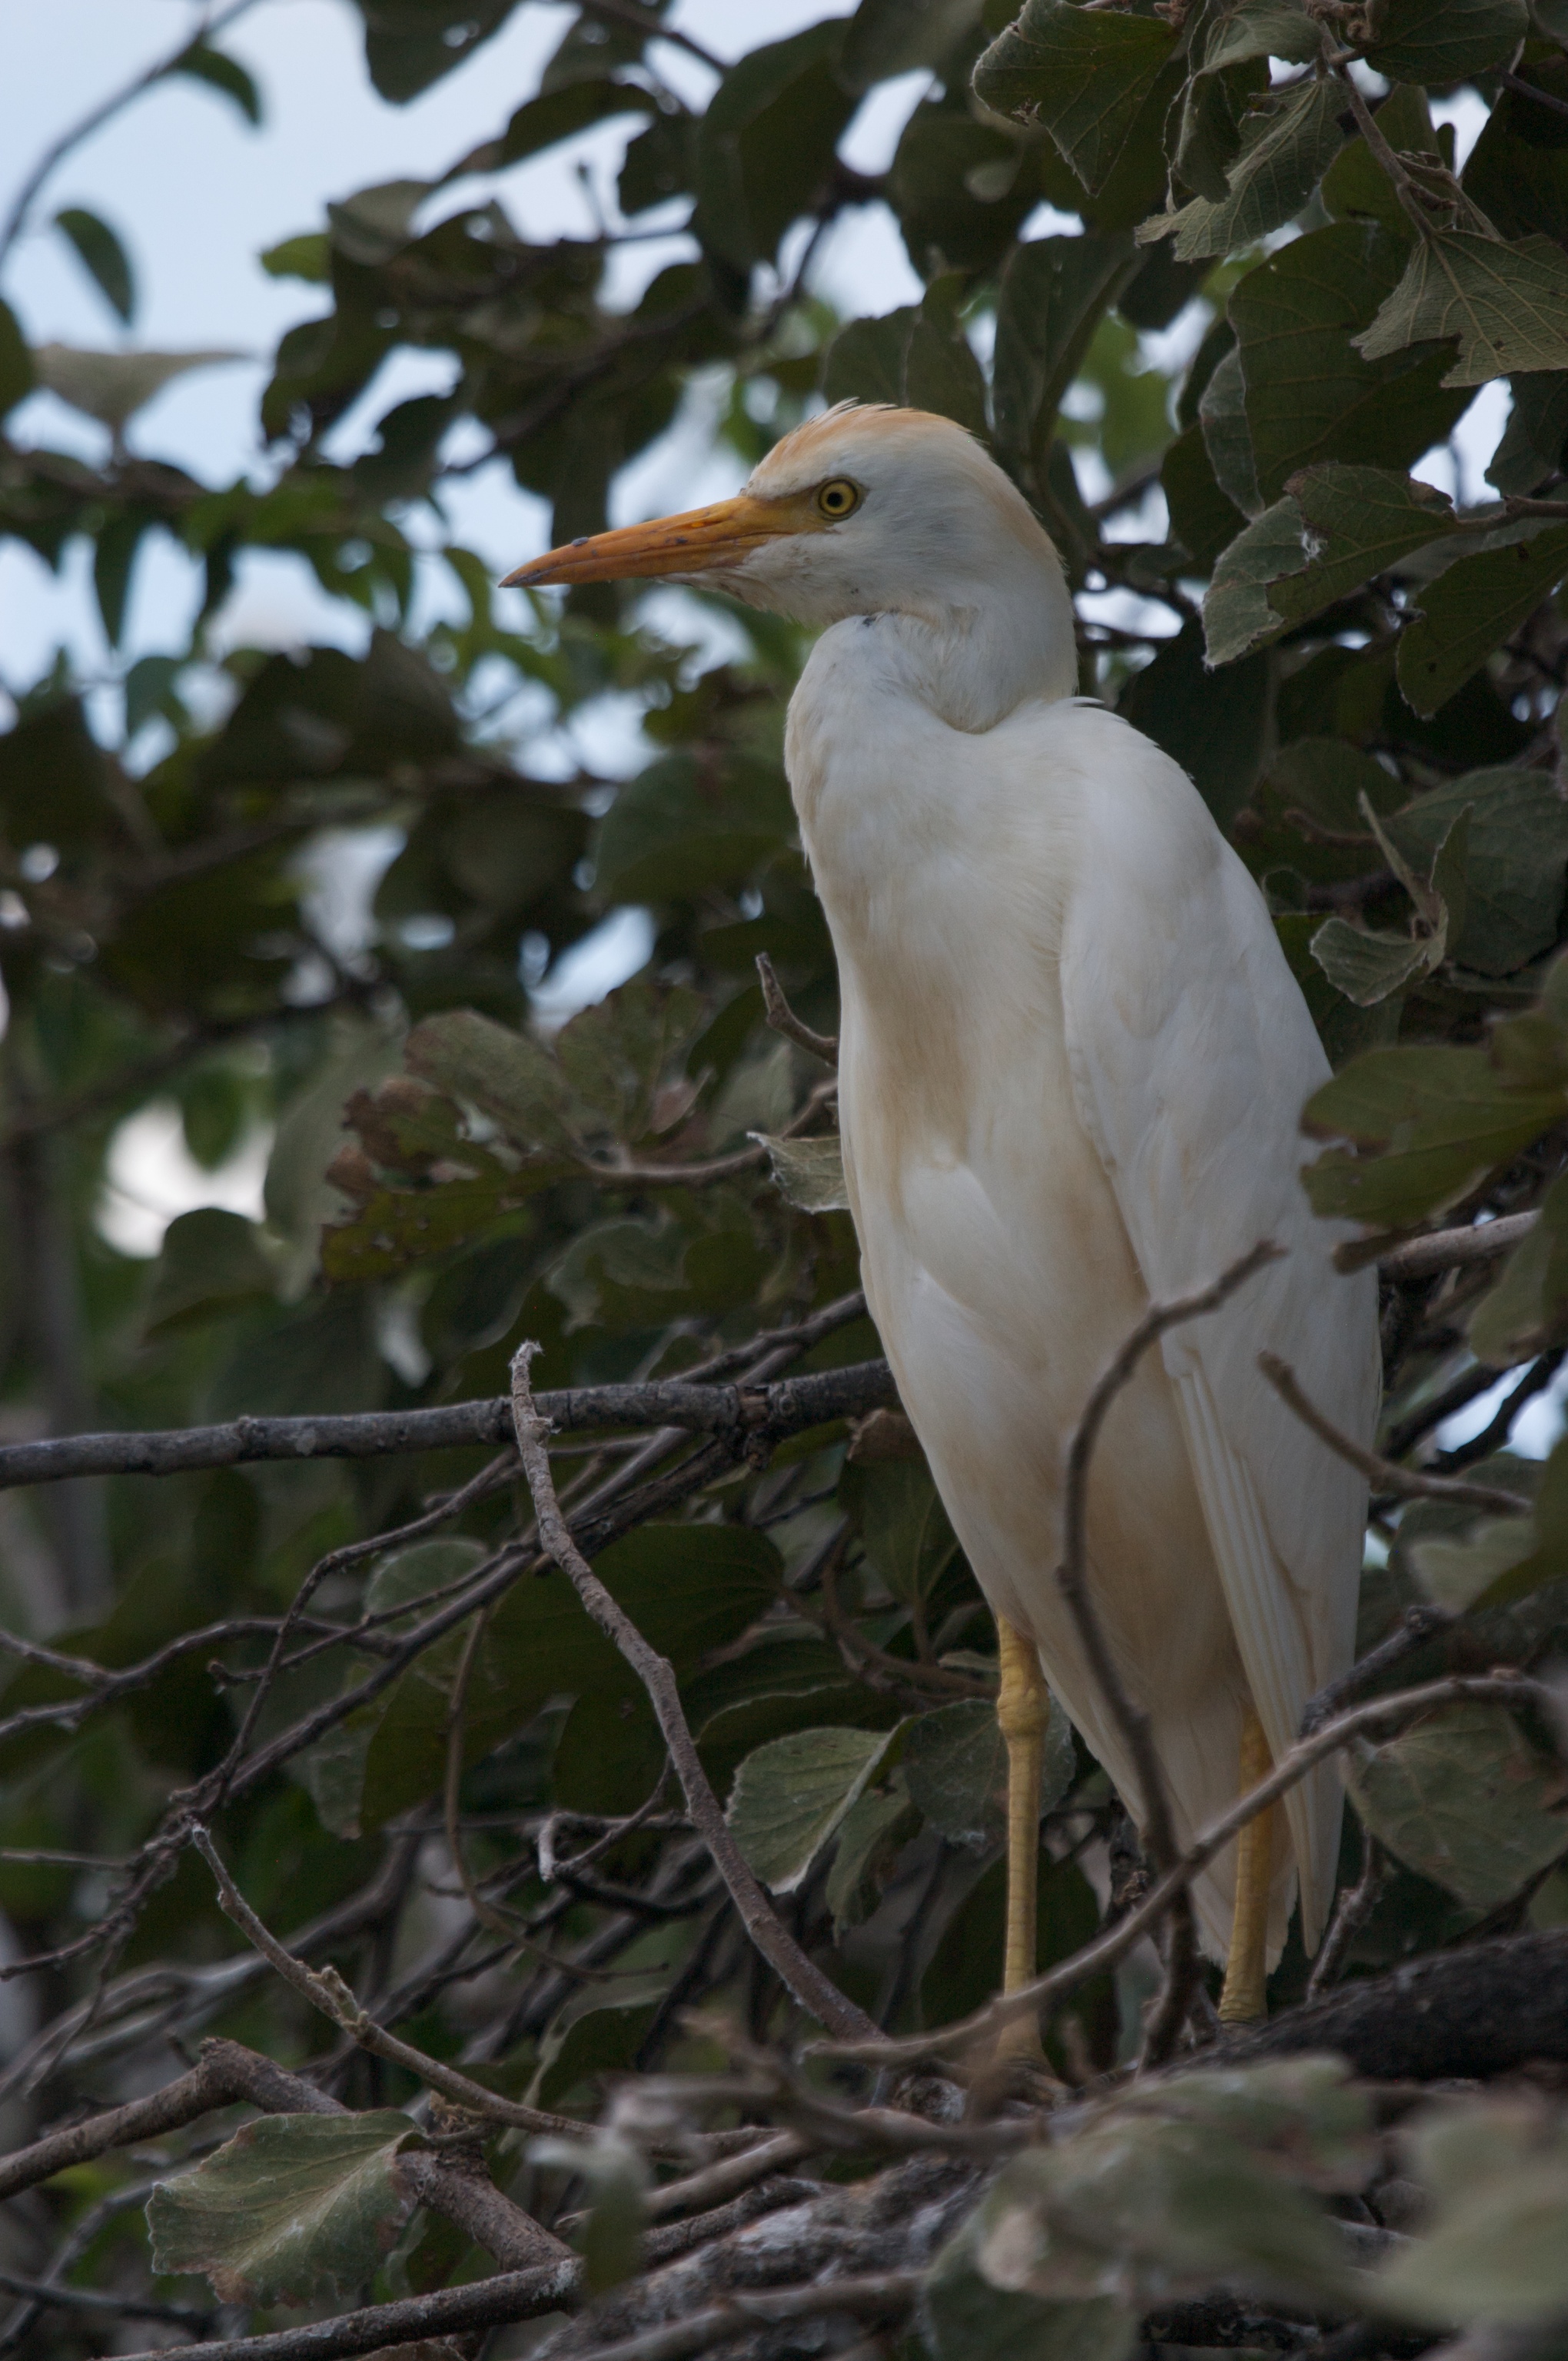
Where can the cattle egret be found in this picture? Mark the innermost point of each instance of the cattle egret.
(1072, 1062)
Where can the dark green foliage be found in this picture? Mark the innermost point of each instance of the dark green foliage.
(1361, 677)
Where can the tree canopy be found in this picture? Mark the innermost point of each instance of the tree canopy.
(595, 1898)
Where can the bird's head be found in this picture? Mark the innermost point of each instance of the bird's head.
(863, 510)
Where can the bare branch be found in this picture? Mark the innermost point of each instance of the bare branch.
(783, 1018)
(1451, 1250)
(1415, 1627)
(800, 1975)
(769, 1413)
(325, 1990)
(1404, 1483)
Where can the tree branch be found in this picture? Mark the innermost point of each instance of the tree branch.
(1404, 1483)
(783, 1018)
(799, 1974)
(768, 1413)
(1451, 1250)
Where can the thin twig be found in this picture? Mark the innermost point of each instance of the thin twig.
(1115, 1942)
(1416, 1626)
(1073, 1577)
(325, 1990)
(800, 1975)
(783, 1018)
(1404, 1483)
(1449, 1249)
(94, 120)
(1355, 1907)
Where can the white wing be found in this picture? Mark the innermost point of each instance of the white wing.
(1192, 1053)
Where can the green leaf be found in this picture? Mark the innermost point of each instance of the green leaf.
(1530, 452)
(1464, 1801)
(1054, 293)
(909, 1543)
(211, 1264)
(955, 1767)
(791, 1798)
(1508, 305)
(1357, 188)
(307, 256)
(766, 144)
(1470, 608)
(16, 377)
(1369, 967)
(1216, 727)
(1325, 778)
(1261, 28)
(1309, 395)
(406, 48)
(807, 1172)
(1203, 518)
(1081, 74)
(871, 1836)
(1496, 2243)
(970, 2316)
(1515, 859)
(1428, 1124)
(1443, 41)
(1531, 1296)
(1227, 438)
(1161, 2199)
(507, 1076)
(689, 1590)
(1287, 147)
(673, 833)
(1337, 527)
(291, 2205)
(555, 115)
(111, 386)
(201, 62)
(892, 37)
(102, 256)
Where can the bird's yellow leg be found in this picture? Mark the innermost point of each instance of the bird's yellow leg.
(1023, 1709)
(1244, 1998)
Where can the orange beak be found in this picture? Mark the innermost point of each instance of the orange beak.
(703, 541)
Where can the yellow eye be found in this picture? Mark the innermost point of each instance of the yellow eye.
(838, 498)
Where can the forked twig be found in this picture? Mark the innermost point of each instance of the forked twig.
(1404, 1483)
(799, 1974)
(783, 1018)
(325, 1990)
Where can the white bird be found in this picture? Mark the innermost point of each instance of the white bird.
(1073, 1061)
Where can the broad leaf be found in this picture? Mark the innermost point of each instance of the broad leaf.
(1287, 147)
(1216, 725)
(791, 1797)
(1516, 854)
(1463, 1799)
(1366, 966)
(1309, 395)
(101, 255)
(955, 1767)
(808, 1172)
(1508, 305)
(291, 2206)
(1533, 441)
(1496, 2237)
(871, 1836)
(1442, 41)
(220, 72)
(1227, 437)
(111, 386)
(506, 1075)
(1427, 1123)
(1470, 608)
(1527, 1306)
(1082, 74)
(16, 377)
(1054, 293)
(1336, 528)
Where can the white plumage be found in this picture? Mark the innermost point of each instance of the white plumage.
(1072, 1064)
